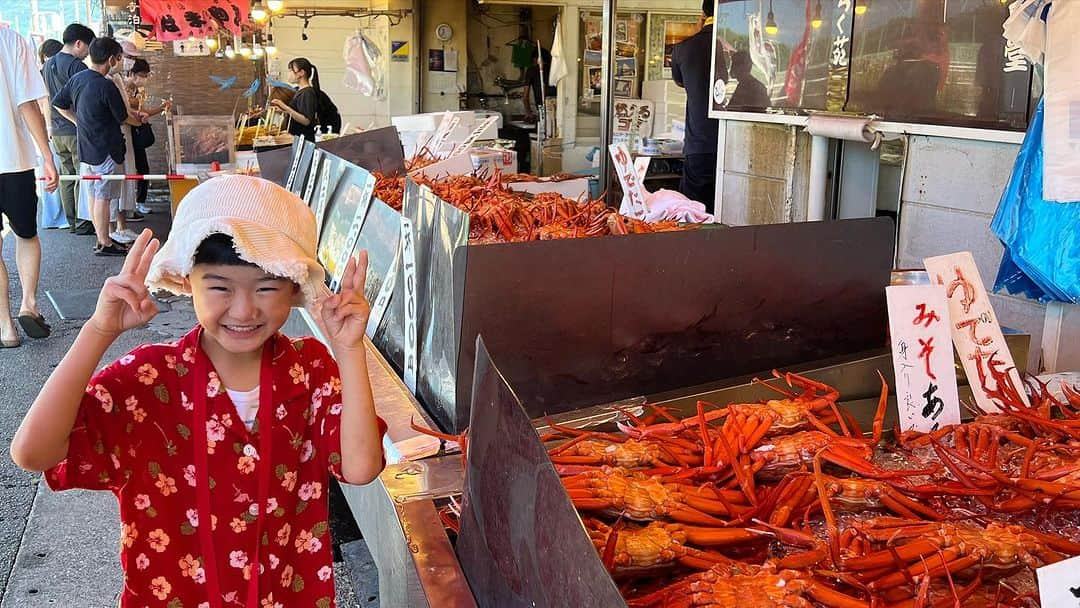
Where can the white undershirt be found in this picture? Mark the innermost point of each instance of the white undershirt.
(247, 405)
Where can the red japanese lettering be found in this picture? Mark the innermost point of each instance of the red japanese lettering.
(927, 349)
(972, 325)
(925, 319)
(962, 283)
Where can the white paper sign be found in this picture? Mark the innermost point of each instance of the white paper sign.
(974, 327)
(628, 177)
(633, 116)
(484, 125)
(313, 171)
(408, 257)
(922, 352)
(1059, 584)
(438, 140)
(386, 292)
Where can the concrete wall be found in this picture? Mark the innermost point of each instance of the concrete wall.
(951, 190)
(441, 90)
(764, 173)
(326, 40)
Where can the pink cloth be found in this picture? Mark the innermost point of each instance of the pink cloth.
(671, 205)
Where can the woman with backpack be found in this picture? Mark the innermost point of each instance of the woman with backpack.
(310, 108)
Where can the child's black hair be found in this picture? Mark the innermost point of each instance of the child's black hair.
(218, 249)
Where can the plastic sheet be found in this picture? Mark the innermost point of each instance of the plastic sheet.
(1041, 238)
(521, 542)
(363, 66)
(439, 325)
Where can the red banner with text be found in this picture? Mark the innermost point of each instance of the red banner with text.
(182, 19)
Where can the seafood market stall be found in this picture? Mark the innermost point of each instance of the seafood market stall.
(619, 358)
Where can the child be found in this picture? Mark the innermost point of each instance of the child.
(215, 511)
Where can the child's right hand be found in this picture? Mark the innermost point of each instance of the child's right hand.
(125, 302)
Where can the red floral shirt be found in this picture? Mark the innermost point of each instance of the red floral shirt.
(134, 436)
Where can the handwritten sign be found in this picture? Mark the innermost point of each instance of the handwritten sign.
(382, 300)
(633, 116)
(484, 125)
(438, 140)
(628, 177)
(184, 19)
(1059, 584)
(975, 329)
(313, 170)
(408, 257)
(922, 351)
(362, 207)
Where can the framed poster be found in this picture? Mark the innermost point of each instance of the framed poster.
(202, 140)
(665, 31)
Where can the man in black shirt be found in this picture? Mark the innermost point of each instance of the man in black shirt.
(57, 71)
(690, 66)
(94, 103)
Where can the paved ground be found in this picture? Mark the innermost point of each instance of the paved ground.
(61, 549)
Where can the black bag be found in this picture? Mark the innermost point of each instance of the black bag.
(327, 114)
(142, 136)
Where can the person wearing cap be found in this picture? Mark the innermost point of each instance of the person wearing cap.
(142, 137)
(218, 446)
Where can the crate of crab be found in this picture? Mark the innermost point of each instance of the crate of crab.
(769, 494)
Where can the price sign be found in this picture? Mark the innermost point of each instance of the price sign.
(484, 125)
(408, 261)
(922, 351)
(974, 327)
(1059, 584)
(628, 177)
(438, 140)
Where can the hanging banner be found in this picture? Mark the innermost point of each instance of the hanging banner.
(183, 19)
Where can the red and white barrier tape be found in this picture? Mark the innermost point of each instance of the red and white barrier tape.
(168, 177)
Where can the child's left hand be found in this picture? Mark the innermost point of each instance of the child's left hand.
(345, 314)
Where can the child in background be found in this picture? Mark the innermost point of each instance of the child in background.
(219, 446)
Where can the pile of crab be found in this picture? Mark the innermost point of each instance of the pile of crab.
(786, 502)
(498, 214)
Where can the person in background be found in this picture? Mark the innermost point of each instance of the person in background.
(52, 208)
(142, 136)
(690, 67)
(533, 95)
(93, 102)
(57, 71)
(122, 210)
(23, 126)
(750, 92)
(310, 107)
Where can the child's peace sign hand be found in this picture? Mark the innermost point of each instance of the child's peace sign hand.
(125, 302)
(345, 314)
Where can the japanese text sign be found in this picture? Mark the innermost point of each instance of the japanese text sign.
(183, 19)
(975, 329)
(922, 351)
(633, 116)
(628, 177)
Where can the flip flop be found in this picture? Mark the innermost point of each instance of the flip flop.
(34, 325)
(10, 344)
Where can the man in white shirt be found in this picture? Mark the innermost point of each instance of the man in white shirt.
(21, 86)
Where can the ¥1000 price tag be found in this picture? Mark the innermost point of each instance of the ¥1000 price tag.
(408, 266)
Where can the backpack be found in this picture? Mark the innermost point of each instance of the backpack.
(326, 114)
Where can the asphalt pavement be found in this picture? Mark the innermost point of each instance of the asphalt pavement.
(60, 549)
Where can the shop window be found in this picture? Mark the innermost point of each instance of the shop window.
(927, 61)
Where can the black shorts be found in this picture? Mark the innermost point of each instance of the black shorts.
(18, 202)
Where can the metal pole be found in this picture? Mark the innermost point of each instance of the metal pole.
(541, 111)
(607, 75)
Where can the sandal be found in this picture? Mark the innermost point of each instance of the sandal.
(17, 342)
(34, 325)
